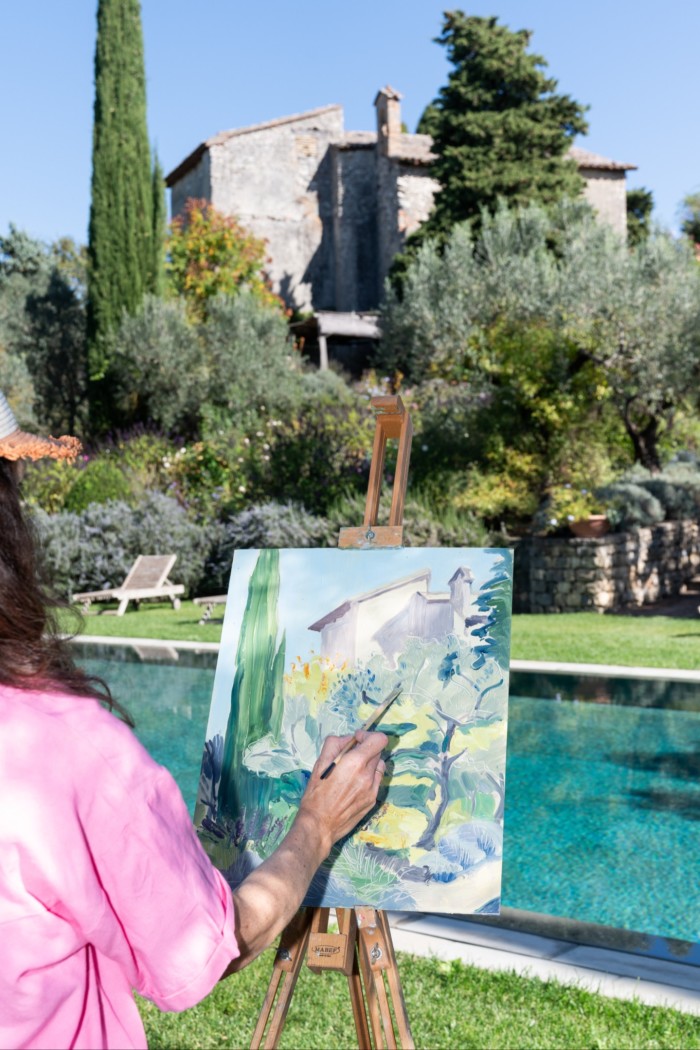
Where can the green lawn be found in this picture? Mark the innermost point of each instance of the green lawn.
(654, 641)
(152, 620)
(632, 641)
(449, 1005)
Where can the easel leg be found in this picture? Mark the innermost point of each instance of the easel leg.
(359, 1012)
(288, 963)
(377, 957)
(373, 1009)
(397, 997)
(347, 924)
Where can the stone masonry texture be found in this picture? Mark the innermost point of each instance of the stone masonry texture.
(562, 574)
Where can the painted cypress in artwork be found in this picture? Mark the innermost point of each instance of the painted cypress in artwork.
(121, 213)
(257, 702)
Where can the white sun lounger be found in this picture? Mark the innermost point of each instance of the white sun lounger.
(147, 579)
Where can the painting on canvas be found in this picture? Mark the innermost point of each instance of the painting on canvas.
(313, 640)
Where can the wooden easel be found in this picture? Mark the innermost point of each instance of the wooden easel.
(362, 949)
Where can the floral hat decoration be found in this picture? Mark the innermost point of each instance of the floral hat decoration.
(18, 444)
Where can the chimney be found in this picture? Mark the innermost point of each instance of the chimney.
(461, 594)
(388, 105)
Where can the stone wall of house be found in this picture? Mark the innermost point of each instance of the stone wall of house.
(276, 179)
(554, 574)
(354, 209)
(606, 192)
(194, 183)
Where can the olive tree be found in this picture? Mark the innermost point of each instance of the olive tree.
(625, 322)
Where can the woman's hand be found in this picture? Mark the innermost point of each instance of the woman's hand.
(330, 808)
(349, 791)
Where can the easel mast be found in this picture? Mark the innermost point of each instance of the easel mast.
(362, 949)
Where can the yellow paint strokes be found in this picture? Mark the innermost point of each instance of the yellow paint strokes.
(481, 738)
(409, 711)
(314, 680)
(394, 827)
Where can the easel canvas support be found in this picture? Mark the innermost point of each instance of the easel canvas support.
(362, 949)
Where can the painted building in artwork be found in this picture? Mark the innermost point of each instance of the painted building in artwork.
(379, 621)
(335, 206)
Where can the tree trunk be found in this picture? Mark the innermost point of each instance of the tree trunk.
(645, 440)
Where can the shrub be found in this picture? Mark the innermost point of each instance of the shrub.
(508, 494)
(160, 374)
(47, 482)
(309, 453)
(642, 498)
(628, 504)
(677, 488)
(62, 549)
(145, 458)
(96, 548)
(98, 482)
(317, 454)
(250, 360)
(449, 424)
(211, 254)
(424, 524)
(261, 525)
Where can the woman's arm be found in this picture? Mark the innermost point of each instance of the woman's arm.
(268, 898)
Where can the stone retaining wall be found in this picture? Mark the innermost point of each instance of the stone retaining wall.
(565, 574)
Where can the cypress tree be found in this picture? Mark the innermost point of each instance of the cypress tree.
(499, 129)
(160, 231)
(120, 241)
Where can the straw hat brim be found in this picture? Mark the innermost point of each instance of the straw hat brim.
(21, 445)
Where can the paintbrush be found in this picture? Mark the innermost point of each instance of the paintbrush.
(373, 718)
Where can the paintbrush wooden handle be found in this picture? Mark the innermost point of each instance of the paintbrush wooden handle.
(343, 751)
(374, 717)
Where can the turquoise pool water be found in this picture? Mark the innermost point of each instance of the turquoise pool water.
(602, 820)
(602, 807)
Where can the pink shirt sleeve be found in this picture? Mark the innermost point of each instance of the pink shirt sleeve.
(167, 914)
(109, 849)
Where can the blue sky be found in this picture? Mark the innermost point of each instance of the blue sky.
(219, 64)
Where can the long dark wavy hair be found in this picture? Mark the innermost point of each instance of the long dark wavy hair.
(33, 653)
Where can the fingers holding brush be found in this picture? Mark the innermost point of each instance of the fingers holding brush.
(339, 801)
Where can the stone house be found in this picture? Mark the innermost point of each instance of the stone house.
(380, 620)
(335, 206)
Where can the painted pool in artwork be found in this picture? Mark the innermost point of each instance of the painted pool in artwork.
(313, 641)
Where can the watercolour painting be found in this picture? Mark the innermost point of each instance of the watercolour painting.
(313, 640)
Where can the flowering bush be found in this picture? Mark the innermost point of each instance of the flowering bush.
(211, 254)
(565, 504)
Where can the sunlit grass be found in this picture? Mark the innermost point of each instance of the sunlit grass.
(654, 641)
(450, 1005)
(151, 620)
(632, 641)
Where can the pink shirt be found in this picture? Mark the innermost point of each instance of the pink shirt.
(103, 884)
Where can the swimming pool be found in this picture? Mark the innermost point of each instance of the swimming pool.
(602, 797)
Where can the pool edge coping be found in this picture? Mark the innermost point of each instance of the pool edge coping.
(672, 674)
(146, 643)
(669, 674)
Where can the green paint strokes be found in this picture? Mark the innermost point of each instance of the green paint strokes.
(256, 695)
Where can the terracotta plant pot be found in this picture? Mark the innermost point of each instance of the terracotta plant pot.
(591, 527)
